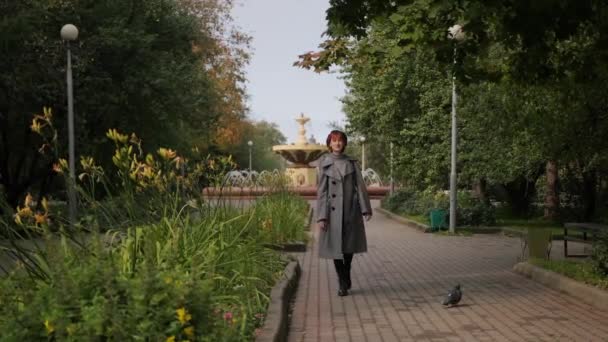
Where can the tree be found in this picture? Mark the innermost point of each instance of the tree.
(264, 135)
(536, 83)
(150, 67)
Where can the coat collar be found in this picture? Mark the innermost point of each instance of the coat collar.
(328, 160)
(332, 172)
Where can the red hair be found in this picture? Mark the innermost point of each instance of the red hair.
(336, 135)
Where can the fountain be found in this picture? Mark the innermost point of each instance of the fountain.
(302, 173)
(300, 154)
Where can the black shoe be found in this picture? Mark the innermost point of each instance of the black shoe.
(343, 291)
(342, 283)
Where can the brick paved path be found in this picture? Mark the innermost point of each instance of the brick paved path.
(399, 283)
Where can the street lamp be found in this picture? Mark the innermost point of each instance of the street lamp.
(250, 143)
(69, 33)
(362, 139)
(455, 33)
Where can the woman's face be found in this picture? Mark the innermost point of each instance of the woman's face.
(336, 145)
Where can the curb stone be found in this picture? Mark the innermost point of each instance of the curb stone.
(276, 326)
(586, 293)
(296, 246)
(310, 215)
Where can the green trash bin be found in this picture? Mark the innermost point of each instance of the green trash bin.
(438, 219)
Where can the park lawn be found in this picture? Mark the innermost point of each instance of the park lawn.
(580, 270)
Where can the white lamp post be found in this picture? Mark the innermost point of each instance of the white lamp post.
(362, 139)
(455, 33)
(250, 143)
(69, 33)
(392, 184)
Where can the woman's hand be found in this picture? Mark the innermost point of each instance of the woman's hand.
(322, 225)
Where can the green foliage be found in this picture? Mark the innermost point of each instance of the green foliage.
(264, 135)
(599, 255)
(398, 201)
(403, 101)
(529, 91)
(88, 298)
(283, 218)
(470, 211)
(208, 260)
(473, 212)
(505, 37)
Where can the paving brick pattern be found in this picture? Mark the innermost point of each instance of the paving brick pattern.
(399, 283)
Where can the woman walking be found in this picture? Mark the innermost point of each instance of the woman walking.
(342, 202)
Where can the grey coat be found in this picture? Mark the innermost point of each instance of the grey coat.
(341, 201)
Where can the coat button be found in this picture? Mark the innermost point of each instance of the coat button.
(333, 195)
(333, 182)
(333, 208)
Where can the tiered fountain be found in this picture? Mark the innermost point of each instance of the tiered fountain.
(301, 170)
(300, 154)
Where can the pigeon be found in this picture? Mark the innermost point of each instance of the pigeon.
(453, 296)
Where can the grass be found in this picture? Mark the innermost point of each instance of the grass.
(525, 224)
(417, 218)
(581, 270)
(503, 221)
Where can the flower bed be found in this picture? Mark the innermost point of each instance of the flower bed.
(158, 263)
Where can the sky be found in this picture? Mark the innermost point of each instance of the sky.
(278, 92)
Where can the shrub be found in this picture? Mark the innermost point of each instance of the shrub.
(478, 214)
(471, 212)
(88, 298)
(599, 254)
(400, 201)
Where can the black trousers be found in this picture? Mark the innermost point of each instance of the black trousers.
(343, 269)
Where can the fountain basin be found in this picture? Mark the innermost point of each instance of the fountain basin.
(307, 192)
(300, 154)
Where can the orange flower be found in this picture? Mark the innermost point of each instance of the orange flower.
(41, 218)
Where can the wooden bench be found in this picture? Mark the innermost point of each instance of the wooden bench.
(589, 233)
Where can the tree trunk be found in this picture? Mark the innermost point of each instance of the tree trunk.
(480, 191)
(552, 195)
